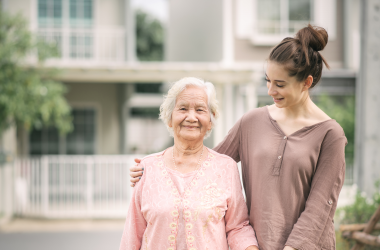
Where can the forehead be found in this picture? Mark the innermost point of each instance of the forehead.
(192, 94)
(276, 71)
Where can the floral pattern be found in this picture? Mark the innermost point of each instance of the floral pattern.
(211, 195)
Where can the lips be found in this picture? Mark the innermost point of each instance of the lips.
(277, 99)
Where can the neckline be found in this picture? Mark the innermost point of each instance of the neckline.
(176, 172)
(297, 131)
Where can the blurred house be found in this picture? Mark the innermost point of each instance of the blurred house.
(115, 98)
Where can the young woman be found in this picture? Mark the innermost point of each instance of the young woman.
(292, 153)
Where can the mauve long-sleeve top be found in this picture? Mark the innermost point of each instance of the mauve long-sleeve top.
(292, 183)
(202, 210)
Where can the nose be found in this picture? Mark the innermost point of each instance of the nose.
(191, 117)
(271, 89)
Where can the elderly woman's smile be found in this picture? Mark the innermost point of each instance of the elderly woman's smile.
(191, 117)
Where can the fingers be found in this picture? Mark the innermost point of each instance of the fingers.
(137, 160)
(136, 169)
(134, 181)
(136, 174)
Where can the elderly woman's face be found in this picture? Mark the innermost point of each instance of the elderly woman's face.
(191, 117)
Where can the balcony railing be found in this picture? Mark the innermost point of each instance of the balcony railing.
(88, 45)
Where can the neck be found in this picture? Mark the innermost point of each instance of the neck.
(184, 149)
(303, 109)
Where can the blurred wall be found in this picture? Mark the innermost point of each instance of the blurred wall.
(245, 50)
(104, 99)
(195, 31)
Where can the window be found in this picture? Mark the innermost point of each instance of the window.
(80, 141)
(50, 13)
(283, 16)
(267, 22)
(81, 13)
(68, 23)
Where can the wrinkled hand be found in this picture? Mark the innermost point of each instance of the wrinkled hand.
(252, 248)
(136, 172)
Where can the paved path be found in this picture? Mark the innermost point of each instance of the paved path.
(99, 240)
(61, 235)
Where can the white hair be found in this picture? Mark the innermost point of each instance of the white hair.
(167, 107)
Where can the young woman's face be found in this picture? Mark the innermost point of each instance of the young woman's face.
(285, 90)
(191, 118)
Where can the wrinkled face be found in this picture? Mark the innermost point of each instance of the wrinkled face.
(191, 117)
(285, 90)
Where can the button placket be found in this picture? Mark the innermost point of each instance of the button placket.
(280, 153)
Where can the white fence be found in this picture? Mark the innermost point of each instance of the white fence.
(72, 186)
(79, 187)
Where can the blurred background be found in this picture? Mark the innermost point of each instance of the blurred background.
(81, 82)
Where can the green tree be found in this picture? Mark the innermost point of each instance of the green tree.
(149, 38)
(28, 95)
(342, 109)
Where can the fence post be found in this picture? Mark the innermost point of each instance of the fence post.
(90, 186)
(45, 184)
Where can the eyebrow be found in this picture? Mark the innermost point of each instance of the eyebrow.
(274, 80)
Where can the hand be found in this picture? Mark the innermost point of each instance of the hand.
(252, 248)
(136, 172)
(289, 248)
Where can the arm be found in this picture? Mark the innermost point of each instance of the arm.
(231, 143)
(323, 197)
(135, 223)
(240, 234)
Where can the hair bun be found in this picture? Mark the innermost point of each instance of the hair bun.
(313, 36)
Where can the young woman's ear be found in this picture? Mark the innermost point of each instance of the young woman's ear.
(308, 82)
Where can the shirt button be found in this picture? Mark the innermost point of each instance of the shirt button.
(330, 202)
(279, 157)
(285, 137)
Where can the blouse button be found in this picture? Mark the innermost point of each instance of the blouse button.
(285, 137)
(279, 157)
(330, 202)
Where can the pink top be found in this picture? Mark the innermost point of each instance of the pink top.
(192, 211)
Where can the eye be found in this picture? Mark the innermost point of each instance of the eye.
(267, 80)
(199, 109)
(280, 86)
(182, 108)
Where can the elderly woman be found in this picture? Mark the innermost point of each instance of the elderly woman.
(189, 197)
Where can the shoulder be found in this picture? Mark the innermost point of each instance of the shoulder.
(332, 128)
(255, 114)
(150, 159)
(333, 131)
(222, 159)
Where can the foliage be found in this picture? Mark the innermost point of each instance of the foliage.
(28, 95)
(359, 212)
(149, 38)
(342, 109)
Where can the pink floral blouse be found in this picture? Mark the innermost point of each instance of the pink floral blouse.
(195, 211)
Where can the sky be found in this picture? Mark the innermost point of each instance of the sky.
(157, 8)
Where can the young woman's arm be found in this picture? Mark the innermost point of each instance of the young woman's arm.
(231, 143)
(314, 227)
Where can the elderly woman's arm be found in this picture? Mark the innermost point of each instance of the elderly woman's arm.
(135, 223)
(240, 234)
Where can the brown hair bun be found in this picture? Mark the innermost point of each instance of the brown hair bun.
(315, 37)
(300, 54)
